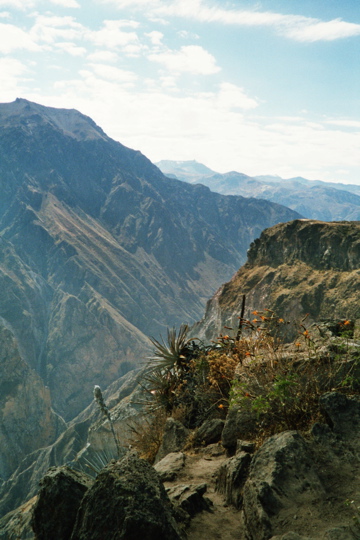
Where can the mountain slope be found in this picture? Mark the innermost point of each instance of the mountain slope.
(108, 249)
(299, 268)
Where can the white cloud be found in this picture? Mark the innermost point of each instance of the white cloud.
(112, 73)
(296, 27)
(323, 31)
(191, 58)
(18, 4)
(233, 97)
(112, 36)
(66, 3)
(103, 56)
(13, 38)
(155, 37)
(12, 75)
(50, 29)
(71, 48)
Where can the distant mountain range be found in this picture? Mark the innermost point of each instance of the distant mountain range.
(313, 199)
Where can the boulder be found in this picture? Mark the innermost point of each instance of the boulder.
(282, 476)
(239, 424)
(126, 502)
(231, 478)
(60, 495)
(174, 438)
(210, 431)
(170, 466)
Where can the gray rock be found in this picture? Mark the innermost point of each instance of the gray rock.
(291, 536)
(245, 446)
(126, 502)
(210, 431)
(239, 424)
(60, 495)
(341, 533)
(190, 497)
(231, 478)
(174, 438)
(342, 414)
(170, 466)
(282, 475)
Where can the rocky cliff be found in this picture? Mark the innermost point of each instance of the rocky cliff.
(297, 268)
(99, 250)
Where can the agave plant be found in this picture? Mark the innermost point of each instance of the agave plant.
(174, 355)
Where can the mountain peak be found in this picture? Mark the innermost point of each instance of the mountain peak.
(69, 121)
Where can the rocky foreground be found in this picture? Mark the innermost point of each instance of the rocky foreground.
(218, 481)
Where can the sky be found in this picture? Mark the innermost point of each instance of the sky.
(258, 87)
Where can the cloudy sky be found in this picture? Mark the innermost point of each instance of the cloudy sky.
(260, 87)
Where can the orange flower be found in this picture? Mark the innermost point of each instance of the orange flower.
(255, 320)
(226, 337)
(255, 313)
(306, 333)
(221, 406)
(281, 320)
(297, 344)
(248, 353)
(247, 394)
(346, 323)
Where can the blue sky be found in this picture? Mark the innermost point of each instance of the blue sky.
(267, 87)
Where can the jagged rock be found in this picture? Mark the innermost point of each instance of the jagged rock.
(174, 438)
(126, 502)
(190, 498)
(245, 446)
(282, 475)
(296, 268)
(231, 478)
(60, 495)
(239, 424)
(169, 467)
(210, 431)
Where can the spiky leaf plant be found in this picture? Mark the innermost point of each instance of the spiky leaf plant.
(173, 355)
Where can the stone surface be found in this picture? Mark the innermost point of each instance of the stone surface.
(174, 438)
(231, 478)
(126, 502)
(342, 414)
(239, 424)
(210, 431)
(282, 475)
(59, 498)
(190, 497)
(169, 467)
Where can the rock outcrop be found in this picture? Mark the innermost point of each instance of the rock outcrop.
(297, 268)
(127, 501)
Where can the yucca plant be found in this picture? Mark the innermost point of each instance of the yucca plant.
(174, 355)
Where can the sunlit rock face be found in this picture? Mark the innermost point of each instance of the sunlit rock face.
(300, 268)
